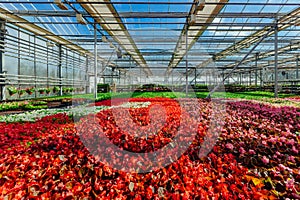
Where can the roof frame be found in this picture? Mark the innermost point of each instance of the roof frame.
(193, 30)
(37, 30)
(109, 23)
(283, 23)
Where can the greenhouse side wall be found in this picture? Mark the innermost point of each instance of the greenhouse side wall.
(31, 67)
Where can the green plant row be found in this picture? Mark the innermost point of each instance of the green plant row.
(23, 105)
(251, 95)
(41, 102)
(30, 90)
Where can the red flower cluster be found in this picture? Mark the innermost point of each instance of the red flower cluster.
(256, 157)
(111, 102)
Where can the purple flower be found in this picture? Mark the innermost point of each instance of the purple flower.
(229, 146)
(290, 183)
(281, 166)
(265, 160)
(242, 150)
(291, 158)
(252, 152)
(295, 150)
(272, 140)
(291, 142)
(282, 139)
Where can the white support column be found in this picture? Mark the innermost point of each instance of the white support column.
(2, 71)
(256, 68)
(34, 61)
(297, 67)
(87, 74)
(195, 76)
(186, 61)
(60, 69)
(95, 62)
(276, 60)
(250, 77)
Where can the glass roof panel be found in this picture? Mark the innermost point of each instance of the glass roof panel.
(158, 29)
(156, 37)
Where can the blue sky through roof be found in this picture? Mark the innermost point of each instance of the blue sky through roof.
(155, 31)
(157, 28)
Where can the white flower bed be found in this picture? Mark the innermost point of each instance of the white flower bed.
(32, 116)
(78, 111)
(135, 104)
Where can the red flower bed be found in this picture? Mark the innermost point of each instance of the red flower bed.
(256, 156)
(110, 102)
(297, 98)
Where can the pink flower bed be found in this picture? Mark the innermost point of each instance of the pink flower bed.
(256, 155)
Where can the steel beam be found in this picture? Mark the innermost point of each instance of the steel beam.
(156, 3)
(256, 68)
(297, 67)
(240, 62)
(276, 60)
(186, 62)
(86, 74)
(95, 61)
(60, 69)
(2, 82)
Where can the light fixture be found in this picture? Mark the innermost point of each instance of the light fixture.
(2, 26)
(80, 19)
(50, 44)
(104, 39)
(247, 45)
(192, 19)
(119, 53)
(179, 45)
(60, 5)
(111, 45)
(214, 57)
(200, 5)
(183, 38)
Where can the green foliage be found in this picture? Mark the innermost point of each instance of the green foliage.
(38, 102)
(48, 90)
(102, 84)
(103, 88)
(22, 105)
(67, 89)
(103, 96)
(34, 107)
(12, 90)
(55, 89)
(159, 94)
(30, 90)
(21, 91)
(9, 106)
(41, 90)
(251, 95)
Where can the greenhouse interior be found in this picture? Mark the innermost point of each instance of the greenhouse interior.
(149, 99)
